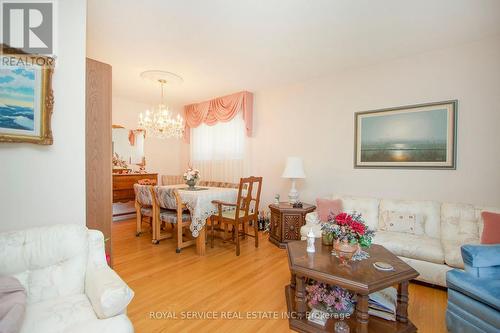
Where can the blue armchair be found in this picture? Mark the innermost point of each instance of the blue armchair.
(474, 294)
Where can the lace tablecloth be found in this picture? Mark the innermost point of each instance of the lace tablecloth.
(200, 204)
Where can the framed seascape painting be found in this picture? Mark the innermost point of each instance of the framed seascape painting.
(26, 99)
(415, 136)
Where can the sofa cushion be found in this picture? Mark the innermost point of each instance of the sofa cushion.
(57, 314)
(367, 207)
(459, 222)
(486, 291)
(406, 222)
(452, 253)
(49, 261)
(428, 271)
(411, 246)
(429, 210)
(117, 324)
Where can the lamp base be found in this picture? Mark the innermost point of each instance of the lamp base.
(293, 195)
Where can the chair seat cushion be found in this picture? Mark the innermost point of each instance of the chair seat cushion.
(486, 291)
(70, 314)
(56, 315)
(147, 211)
(170, 216)
(411, 246)
(231, 214)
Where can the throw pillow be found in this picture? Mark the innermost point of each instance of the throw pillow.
(491, 229)
(12, 304)
(327, 207)
(406, 222)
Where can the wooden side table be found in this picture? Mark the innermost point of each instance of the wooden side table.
(359, 277)
(286, 222)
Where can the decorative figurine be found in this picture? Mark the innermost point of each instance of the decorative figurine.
(277, 199)
(310, 242)
(312, 223)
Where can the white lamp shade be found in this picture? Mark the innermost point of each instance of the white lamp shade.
(294, 168)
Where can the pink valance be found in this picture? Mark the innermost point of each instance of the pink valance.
(219, 109)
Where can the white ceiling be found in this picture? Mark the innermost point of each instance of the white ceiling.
(224, 46)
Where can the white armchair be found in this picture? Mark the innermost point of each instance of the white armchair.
(69, 286)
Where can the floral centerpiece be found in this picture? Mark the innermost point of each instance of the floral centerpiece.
(349, 232)
(191, 177)
(331, 299)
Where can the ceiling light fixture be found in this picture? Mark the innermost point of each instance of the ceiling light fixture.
(160, 122)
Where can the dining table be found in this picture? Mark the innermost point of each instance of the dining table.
(199, 202)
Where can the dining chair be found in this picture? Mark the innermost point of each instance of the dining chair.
(168, 209)
(204, 183)
(172, 180)
(238, 214)
(144, 208)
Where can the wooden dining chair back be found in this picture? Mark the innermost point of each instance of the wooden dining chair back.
(143, 207)
(212, 183)
(172, 180)
(170, 210)
(245, 209)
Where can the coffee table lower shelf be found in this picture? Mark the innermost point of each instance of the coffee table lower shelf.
(375, 324)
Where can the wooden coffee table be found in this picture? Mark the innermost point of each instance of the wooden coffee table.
(359, 277)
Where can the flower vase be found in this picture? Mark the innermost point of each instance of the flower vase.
(327, 239)
(191, 183)
(345, 250)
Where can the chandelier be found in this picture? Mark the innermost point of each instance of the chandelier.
(160, 122)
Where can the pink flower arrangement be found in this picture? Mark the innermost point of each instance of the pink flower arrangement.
(328, 297)
(350, 228)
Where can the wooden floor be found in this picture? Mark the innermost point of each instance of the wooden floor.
(169, 287)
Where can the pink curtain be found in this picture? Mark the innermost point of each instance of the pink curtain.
(219, 109)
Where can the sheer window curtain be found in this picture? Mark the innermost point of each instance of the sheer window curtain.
(220, 151)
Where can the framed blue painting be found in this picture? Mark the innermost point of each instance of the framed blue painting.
(26, 100)
(415, 136)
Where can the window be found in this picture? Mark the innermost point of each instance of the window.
(219, 151)
(222, 141)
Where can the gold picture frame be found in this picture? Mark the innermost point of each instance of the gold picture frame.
(17, 122)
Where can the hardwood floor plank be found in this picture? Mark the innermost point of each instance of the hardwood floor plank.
(250, 286)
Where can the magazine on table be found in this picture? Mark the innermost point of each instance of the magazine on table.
(383, 303)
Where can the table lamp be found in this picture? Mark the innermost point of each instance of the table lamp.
(293, 170)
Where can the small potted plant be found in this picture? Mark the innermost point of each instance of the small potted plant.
(349, 232)
(191, 177)
(331, 299)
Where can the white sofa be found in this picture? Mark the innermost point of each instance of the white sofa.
(447, 226)
(69, 286)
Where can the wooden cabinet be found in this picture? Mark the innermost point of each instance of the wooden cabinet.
(286, 222)
(123, 185)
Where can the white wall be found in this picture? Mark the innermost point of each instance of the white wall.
(162, 155)
(46, 184)
(315, 120)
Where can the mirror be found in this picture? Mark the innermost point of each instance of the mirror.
(128, 147)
